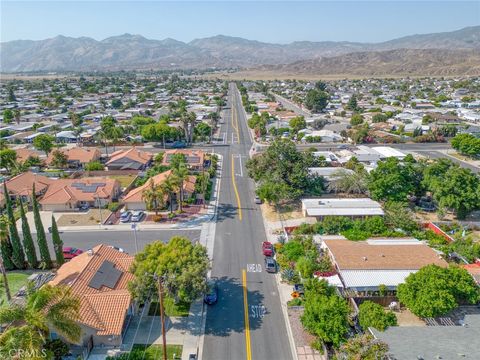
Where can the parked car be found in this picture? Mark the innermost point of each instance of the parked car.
(71, 252)
(178, 145)
(211, 296)
(258, 200)
(267, 248)
(125, 216)
(137, 216)
(270, 265)
(117, 248)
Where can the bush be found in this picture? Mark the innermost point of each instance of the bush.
(292, 250)
(94, 165)
(295, 302)
(335, 225)
(114, 206)
(373, 315)
(157, 218)
(356, 234)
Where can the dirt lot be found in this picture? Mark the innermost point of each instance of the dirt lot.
(124, 180)
(288, 211)
(92, 217)
(406, 318)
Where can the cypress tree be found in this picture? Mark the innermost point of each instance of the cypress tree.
(30, 251)
(41, 238)
(5, 245)
(18, 257)
(57, 243)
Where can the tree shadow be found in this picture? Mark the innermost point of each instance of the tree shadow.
(227, 316)
(226, 211)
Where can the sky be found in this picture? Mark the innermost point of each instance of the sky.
(269, 21)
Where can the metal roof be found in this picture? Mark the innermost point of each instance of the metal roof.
(371, 279)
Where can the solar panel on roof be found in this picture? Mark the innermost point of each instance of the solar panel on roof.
(106, 275)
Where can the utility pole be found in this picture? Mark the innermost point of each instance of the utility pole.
(5, 281)
(162, 315)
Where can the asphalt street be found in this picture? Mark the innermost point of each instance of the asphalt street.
(122, 239)
(247, 321)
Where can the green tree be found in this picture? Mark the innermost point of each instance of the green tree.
(349, 183)
(352, 103)
(297, 123)
(316, 100)
(182, 265)
(326, 316)
(94, 166)
(391, 181)
(5, 244)
(57, 243)
(373, 315)
(59, 159)
(272, 192)
(48, 308)
(399, 216)
(7, 116)
(203, 131)
(379, 118)
(434, 291)
(467, 144)
(116, 133)
(11, 95)
(8, 159)
(46, 261)
(356, 119)
(363, 347)
(28, 245)
(154, 196)
(459, 190)
(179, 175)
(116, 103)
(18, 256)
(44, 142)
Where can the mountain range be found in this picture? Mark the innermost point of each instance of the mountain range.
(137, 52)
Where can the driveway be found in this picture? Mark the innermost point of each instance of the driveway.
(46, 217)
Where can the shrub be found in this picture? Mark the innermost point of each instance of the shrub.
(292, 250)
(157, 218)
(113, 206)
(373, 315)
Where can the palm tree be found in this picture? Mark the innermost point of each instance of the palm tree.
(154, 196)
(188, 125)
(115, 133)
(180, 174)
(169, 187)
(48, 308)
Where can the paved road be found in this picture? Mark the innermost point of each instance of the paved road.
(229, 332)
(122, 239)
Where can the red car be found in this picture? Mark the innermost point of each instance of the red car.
(267, 248)
(70, 252)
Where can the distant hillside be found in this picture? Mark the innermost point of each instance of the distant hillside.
(136, 52)
(413, 62)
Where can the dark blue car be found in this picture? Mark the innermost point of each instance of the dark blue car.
(211, 296)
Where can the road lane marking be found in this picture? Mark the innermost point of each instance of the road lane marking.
(235, 118)
(239, 204)
(248, 346)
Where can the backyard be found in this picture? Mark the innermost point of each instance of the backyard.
(16, 279)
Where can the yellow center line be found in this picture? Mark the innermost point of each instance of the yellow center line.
(235, 117)
(239, 204)
(248, 346)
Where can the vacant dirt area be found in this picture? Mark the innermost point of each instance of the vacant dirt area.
(92, 217)
(284, 212)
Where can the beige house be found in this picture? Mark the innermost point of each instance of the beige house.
(99, 277)
(72, 194)
(77, 157)
(134, 199)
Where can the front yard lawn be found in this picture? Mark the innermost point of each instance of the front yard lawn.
(16, 279)
(155, 352)
(171, 309)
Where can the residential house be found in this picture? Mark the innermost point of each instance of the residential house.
(22, 186)
(23, 154)
(445, 341)
(195, 158)
(72, 194)
(364, 265)
(99, 277)
(352, 208)
(131, 159)
(77, 157)
(134, 199)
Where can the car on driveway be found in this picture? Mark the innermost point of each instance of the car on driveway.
(71, 252)
(211, 296)
(267, 248)
(270, 265)
(137, 216)
(125, 216)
